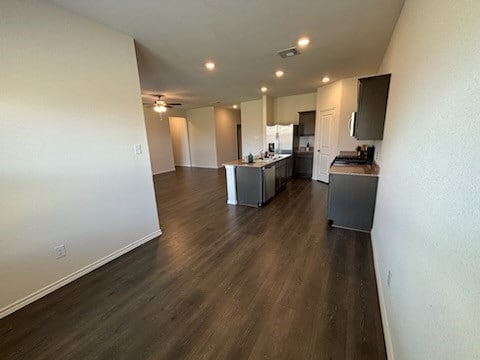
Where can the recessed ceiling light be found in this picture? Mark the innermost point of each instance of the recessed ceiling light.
(279, 73)
(304, 41)
(210, 65)
(263, 89)
(235, 106)
(325, 79)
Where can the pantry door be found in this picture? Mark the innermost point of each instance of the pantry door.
(325, 146)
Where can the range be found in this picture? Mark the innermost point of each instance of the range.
(365, 157)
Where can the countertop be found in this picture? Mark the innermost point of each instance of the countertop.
(355, 169)
(257, 162)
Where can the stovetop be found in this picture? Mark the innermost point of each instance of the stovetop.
(349, 160)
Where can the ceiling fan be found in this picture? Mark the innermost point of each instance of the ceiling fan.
(160, 105)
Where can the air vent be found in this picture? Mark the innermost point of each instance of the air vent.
(288, 52)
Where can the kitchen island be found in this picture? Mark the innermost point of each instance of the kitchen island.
(253, 184)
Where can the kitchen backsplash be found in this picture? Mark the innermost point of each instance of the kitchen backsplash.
(304, 140)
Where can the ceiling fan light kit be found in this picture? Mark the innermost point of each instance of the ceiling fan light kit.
(159, 105)
(160, 108)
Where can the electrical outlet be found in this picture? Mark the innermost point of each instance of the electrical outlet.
(378, 157)
(389, 278)
(60, 251)
(137, 149)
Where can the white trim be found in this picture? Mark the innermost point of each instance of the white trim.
(75, 275)
(383, 309)
(346, 227)
(207, 167)
(163, 171)
(230, 171)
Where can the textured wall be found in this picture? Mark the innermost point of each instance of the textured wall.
(252, 127)
(201, 132)
(159, 142)
(70, 114)
(427, 229)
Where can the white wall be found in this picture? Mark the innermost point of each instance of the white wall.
(252, 127)
(268, 110)
(180, 142)
(159, 142)
(226, 121)
(70, 114)
(426, 228)
(201, 131)
(348, 104)
(286, 108)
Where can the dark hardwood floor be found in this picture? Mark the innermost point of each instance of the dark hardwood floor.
(222, 282)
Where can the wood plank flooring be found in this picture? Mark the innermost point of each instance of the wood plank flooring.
(222, 282)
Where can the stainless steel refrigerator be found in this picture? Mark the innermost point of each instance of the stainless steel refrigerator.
(282, 137)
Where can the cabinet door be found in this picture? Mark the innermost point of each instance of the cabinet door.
(280, 174)
(303, 165)
(249, 185)
(351, 201)
(306, 122)
(372, 106)
(290, 162)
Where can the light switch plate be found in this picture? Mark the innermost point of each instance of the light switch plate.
(138, 149)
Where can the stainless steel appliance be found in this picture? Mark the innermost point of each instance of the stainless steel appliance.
(282, 138)
(365, 157)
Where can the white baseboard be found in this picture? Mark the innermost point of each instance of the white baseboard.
(163, 171)
(383, 309)
(74, 276)
(206, 167)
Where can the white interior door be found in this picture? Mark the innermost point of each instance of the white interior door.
(325, 146)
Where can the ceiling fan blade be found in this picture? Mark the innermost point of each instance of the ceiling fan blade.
(174, 104)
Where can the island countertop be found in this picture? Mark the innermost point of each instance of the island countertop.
(257, 162)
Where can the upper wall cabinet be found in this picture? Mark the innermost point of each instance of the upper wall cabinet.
(306, 123)
(372, 106)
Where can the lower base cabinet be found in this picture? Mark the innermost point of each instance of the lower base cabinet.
(281, 174)
(249, 186)
(351, 201)
(303, 165)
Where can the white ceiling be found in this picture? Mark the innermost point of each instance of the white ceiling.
(175, 38)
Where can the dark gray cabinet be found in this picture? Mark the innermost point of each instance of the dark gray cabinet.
(351, 201)
(303, 164)
(249, 185)
(281, 174)
(372, 106)
(306, 123)
(290, 166)
(256, 185)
